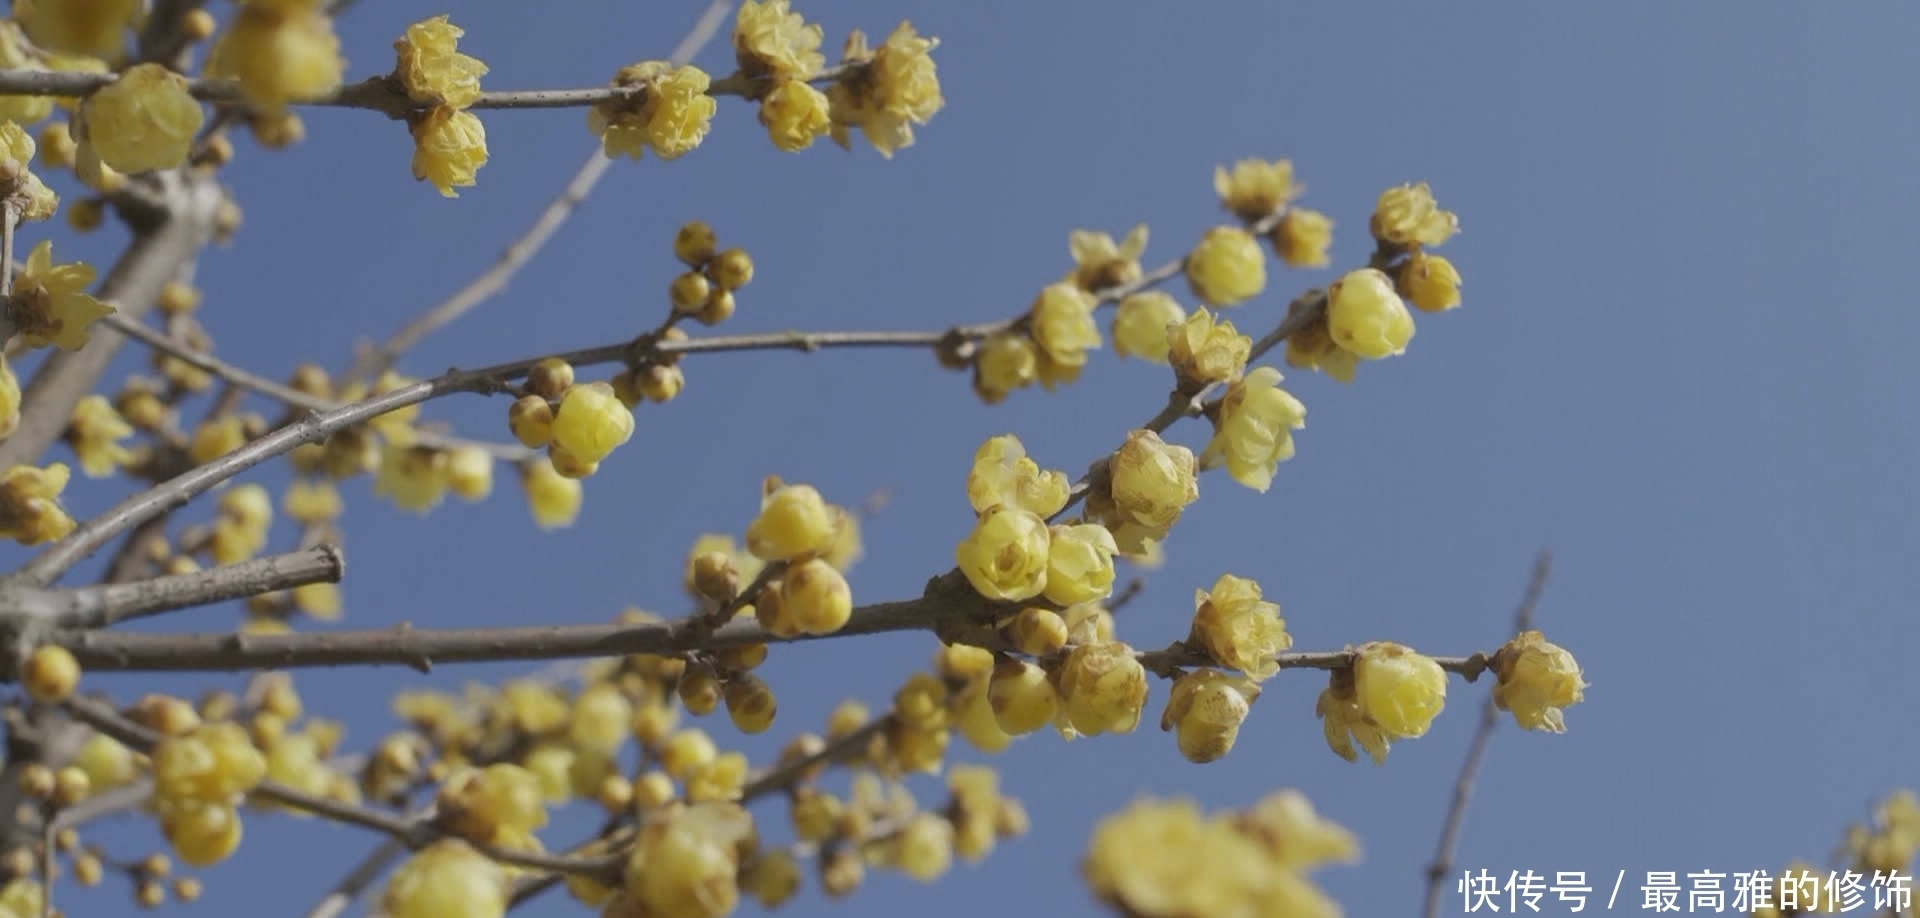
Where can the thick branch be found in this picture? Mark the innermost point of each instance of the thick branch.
(108, 604)
(422, 648)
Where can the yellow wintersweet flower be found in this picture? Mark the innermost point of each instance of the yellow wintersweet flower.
(1152, 481)
(94, 28)
(1003, 364)
(1103, 688)
(770, 41)
(1302, 238)
(1312, 348)
(1080, 564)
(1166, 858)
(30, 511)
(413, 477)
(1061, 318)
(1005, 556)
(554, 500)
(449, 147)
(94, 433)
(795, 113)
(1141, 325)
(17, 182)
(430, 68)
(1430, 282)
(591, 422)
(470, 472)
(1400, 691)
(1366, 318)
(50, 305)
(1344, 723)
(1227, 267)
(1407, 215)
(310, 501)
(1002, 474)
(142, 121)
(1253, 431)
(1237, 628)
(1206, 708)
(1101, 264)
(18, 53)
(794, 521)
(278, 56)
(448, 877)
(888, 91)
(1255, 188)
(1296, 836)
(1203, 351)
(670, 114)
(9, 399)
(1536, 680)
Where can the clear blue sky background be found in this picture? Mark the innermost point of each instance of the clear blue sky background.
(1687, 239)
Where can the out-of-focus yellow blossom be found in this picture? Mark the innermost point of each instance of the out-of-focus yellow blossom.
(95, 28)
(318, 600)
(1005, 363)
(9, 399)
(1063, 326)
(847, 548)
(889, 90)
(1101, 264)
(1536, 680)
(1165, 859)
(1002, 473)
(1302, 238)
(1227, 267)
(413, 477)
(794, 521)
(32, 198)
(279, 56)
(794, 113)
(1285, 822)
(1237, 628)
(1255, 188)
(142, 121)
(1429, 282)
(449, 147)
(470, 472)
(1366, 318)
(975, 720)
(50, 303)
(1407, 215)
(670, 114)
(430, 67)
(817, 598)
(1204, 351)
(1206, 708)
(1312, 348)
(1253, 432)
(686, 861)
(1141, 325)
(1102, 687)
(18, 53)
(30, 511)
(312, 501)
(1344, 723)
(772, 42)
(94, 433)
(1080, 564)
(448, 877)
(57, 146)
(554, 500)
(1005, 556)
(1399, 690)
(1022, 696)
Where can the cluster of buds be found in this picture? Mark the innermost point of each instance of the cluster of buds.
(578, 423)
(705, 291)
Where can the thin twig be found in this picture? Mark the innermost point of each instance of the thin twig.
(494, 279)
(1477, 752)
(358, 880)
(109, 604)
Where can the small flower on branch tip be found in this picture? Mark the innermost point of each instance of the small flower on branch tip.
(49, 304)
(1227, 267)
(432, 70)
(1061, 319)
(1536, 680)
(795, 114)
(887, 91)
(1366, 317)
(668, 112)
(1100, 264)
(1429, 282)
(771, 42)
(1407, 216)
(1302, 237)
(1204, 351)
(794, 522)
(1253, 429)
(1399, 690)
(1255, 189)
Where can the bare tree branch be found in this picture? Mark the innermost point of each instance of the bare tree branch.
(1477, 752)
(108, 604)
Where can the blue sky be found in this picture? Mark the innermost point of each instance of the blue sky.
(1685, 243)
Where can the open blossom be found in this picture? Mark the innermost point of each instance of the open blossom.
(1237, 628)
(794, 114)
(1002, 473)
(1408, 215)
(1254, 189)
(142, 121)
(670, 115)
(449, 147)
(430, 68)
(1100, 264)
(1253, 432)
(1005, 557)
(770, 40)
(1204, 351)
(889, 91)
(1063, 326)
(51, 305)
